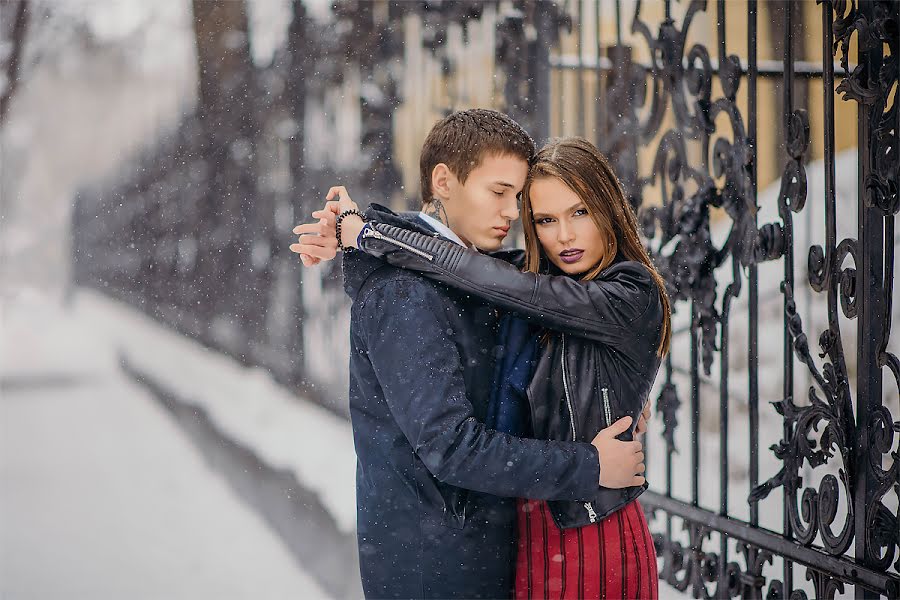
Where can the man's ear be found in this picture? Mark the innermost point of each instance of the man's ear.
(442, 178)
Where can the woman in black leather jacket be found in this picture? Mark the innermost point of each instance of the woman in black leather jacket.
(587, 328)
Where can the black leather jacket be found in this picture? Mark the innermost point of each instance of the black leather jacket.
(598, 365)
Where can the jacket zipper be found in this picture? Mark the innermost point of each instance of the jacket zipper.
(566, 389)
(587, 505)
(372, 232)
(607, 411)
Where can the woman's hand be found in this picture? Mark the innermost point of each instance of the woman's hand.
(318, 241)
(643, 420)
(621, 463)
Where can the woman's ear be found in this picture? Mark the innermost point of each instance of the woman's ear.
(441, 180)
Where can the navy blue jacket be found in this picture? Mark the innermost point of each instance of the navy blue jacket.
(434, 485)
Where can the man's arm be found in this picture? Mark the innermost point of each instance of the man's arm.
(419, 369)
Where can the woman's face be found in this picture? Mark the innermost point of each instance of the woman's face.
(565, 229)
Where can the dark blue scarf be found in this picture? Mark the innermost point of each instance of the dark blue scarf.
(508, 410)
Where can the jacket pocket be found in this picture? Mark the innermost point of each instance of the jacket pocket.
(442, 504)
(617, 403)
(607, 414)
(454, 507)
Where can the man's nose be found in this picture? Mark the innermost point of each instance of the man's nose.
(510, 210)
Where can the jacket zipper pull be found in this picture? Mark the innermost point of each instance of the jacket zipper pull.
(591, 514)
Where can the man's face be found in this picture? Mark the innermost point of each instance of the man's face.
(481, 210)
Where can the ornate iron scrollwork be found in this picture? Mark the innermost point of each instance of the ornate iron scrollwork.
(681, 78)
(826, 273)
(818, 508)
(748, 583)
(882, 526)
(873, 31)
(678, 83)
(690, 567)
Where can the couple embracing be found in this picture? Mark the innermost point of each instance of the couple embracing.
(497, 397)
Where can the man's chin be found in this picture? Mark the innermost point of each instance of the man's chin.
(489, 244)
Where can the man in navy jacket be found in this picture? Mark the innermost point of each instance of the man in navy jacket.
(435, 487)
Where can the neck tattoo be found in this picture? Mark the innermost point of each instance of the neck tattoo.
(436, 210)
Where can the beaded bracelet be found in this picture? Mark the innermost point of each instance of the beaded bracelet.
(337, 225)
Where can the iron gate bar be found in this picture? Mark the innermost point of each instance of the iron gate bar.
(773, 541)
(788, 581)
(753, 371)
(872, 318)
(766, 68)
(787, 224)
(752, 278)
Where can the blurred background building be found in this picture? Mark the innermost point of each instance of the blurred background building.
(160, 153)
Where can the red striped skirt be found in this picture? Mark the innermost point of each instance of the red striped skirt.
(610, 559)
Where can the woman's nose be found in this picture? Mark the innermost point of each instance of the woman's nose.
(566, 234)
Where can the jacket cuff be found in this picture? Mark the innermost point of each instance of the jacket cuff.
(362, 234)
(589, 469)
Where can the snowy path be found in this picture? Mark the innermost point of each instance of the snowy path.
(101, 496)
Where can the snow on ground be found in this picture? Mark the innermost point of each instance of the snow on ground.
(245, 403)
(101, 496)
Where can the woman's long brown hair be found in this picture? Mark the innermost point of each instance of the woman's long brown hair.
(580, 165)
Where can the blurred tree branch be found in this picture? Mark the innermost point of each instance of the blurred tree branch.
(221, 31)
(17, 43)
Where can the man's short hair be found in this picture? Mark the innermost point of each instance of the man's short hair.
(462, 139)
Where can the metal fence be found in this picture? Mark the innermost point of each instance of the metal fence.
(680, 118)
(703, 143)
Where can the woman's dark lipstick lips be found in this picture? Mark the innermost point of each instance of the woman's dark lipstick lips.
(573, 255)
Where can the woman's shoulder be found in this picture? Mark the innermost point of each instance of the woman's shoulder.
(633, 287)
(627, 270)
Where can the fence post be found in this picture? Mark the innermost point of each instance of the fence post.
(873, 288)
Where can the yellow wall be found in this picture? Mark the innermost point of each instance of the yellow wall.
(845, 113)
(427, 92)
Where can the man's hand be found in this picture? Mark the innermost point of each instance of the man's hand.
(643, 419)
(621, 463)
(318, 241)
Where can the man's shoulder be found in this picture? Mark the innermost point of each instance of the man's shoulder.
(393, 282)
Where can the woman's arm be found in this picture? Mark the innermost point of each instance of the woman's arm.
(602, 309)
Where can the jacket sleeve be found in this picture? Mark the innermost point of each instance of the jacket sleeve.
(513, 256)
(602, 309)
(418, 367)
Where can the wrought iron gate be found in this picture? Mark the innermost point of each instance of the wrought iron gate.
(702, 141)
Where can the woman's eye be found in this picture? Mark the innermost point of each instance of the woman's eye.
(581, 211)
(543, 221)
(499, 193)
